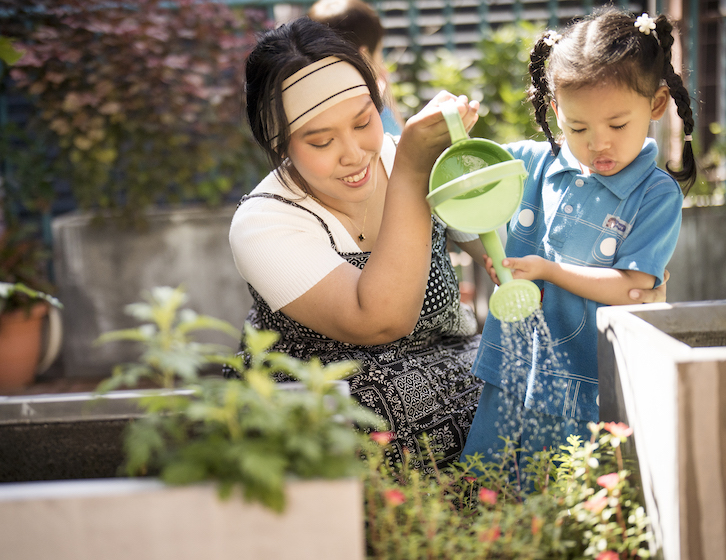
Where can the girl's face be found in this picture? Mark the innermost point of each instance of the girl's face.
(337, 152)
(605, 126)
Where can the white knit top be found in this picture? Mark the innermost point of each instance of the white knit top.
(283, 251)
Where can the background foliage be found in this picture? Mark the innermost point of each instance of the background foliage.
(498, 79)
(143, 99)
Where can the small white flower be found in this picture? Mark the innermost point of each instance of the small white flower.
(645, 23)
(551, 38)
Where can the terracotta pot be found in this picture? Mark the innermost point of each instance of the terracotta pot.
(20, 345)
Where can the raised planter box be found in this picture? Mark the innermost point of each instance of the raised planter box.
(73, 435)
(662, 370)
(143, 519)
(65, 436)
(100, 268)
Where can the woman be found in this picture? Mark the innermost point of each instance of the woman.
(338, 244)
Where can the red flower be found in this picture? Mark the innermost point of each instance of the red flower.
(470, 479)
(608, 555)
(537, 523)
(488, 496)
(619, 430)
(394, 497)
(383, 438)
(491, 534)
(609, 481)
(596, 504)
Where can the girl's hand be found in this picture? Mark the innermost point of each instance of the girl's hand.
(656, 295)
(530, 267)
(426, 135)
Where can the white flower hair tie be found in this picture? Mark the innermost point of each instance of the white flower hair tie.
(551, 38)
(645, 23)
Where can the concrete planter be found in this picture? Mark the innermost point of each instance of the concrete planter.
(146, 520)
(662, 370)
(100, 268)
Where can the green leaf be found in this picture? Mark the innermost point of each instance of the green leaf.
(203, 322)
(257, 342)
(183, 472)
(8, 53)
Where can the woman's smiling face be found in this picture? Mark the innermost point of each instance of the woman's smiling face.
(605, 126)
(337, 152)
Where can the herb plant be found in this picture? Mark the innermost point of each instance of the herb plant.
(250, 432)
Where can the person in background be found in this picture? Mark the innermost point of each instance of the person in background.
(598, 219)
(359, 23)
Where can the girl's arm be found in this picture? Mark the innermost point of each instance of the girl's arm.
(635, 294)
(382, 302)
(609, 286)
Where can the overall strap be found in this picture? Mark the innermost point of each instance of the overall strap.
(296, 205)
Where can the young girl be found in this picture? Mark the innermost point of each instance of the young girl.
(598, 219)
(338, 244)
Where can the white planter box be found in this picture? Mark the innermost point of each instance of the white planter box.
(142, 519)
(662, 370)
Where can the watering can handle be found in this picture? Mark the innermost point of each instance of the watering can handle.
(493, 246)
(454, 122)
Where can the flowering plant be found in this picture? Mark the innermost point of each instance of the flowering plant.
(584, 505)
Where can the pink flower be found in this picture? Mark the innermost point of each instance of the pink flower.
(619, 430)
(491, 534)
(470, 479)
(609, 481)
(596, 504)
(394, 497)
(383, 438)
(608, 555)
(488, 496)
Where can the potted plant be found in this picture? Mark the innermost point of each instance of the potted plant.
(24, 309)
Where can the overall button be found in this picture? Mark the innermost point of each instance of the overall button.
(569, 209)
(579, 182)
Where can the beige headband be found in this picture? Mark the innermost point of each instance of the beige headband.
(317, 87)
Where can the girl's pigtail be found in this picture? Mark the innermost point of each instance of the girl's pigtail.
(688, 172)
(539, 92)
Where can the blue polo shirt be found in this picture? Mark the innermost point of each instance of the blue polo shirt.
(629, 221)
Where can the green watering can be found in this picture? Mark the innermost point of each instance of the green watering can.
(476, 186)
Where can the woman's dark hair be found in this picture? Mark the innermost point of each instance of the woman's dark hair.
(357, 21)
(280, 53)
(607, 48)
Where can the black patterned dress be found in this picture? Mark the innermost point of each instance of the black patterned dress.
(420, 383)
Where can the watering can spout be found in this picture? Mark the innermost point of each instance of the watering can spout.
(476, 186)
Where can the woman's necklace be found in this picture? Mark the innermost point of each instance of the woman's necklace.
(361, 235)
